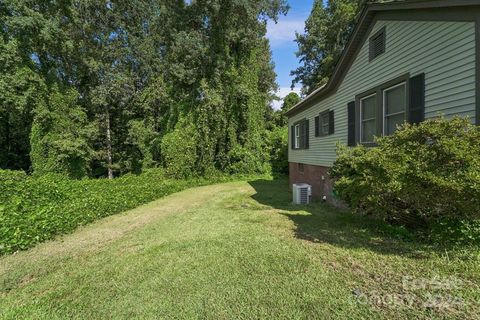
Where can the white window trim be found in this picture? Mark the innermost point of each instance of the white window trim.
(384, 106)
(297, 136)
(361, 120)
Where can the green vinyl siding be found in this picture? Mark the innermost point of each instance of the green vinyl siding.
(444, 51)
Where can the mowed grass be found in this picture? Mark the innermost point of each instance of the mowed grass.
(238, 251)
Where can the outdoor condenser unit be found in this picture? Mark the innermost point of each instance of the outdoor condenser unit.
(302, 193)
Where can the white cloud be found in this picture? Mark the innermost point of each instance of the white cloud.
(282, 93)
(283, 31)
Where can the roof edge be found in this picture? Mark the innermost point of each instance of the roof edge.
(364, 20)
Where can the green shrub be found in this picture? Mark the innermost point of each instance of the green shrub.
(34, 209)
(430, 171)
(245, 161)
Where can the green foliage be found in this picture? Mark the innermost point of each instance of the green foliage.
(456, 231)
(278, 142)
(278, 117)
(140, 67)
(327, 31)
(214, 135)
(244, 161)
(145, 143)
(59, 136)
(179, 150)
(277, 135)
(430, 171)
(289, 101)
(34, 209)
(21, 91)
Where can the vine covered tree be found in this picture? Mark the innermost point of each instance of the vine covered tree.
(115, 80)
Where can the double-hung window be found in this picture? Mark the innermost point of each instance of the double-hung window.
(368, 118)
(394, 107)
(382, 109)
(325, 123)
(300, 135)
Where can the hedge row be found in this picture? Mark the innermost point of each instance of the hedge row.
(33, 210)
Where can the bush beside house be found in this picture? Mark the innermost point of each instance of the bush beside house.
(423, 174)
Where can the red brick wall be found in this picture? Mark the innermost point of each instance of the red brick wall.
(313, 176)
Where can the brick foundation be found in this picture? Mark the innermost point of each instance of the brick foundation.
(313, 176)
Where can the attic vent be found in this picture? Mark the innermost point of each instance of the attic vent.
(377, 44)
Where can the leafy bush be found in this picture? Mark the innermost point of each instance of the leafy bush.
(34, 209)
(245, 161)
(430, 172)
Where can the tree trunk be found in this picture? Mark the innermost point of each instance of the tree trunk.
(109, 143)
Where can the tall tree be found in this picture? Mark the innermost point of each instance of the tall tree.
(111, 38)
(21, 91)
(289, 101)
(222, 62)
(140, 70)
(327, 31)
(60, 136)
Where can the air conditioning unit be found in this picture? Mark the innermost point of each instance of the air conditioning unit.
(302, 193)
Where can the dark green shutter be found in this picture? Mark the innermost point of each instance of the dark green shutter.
(331, 122)
(351, 124)
(416, 107)
(292, 137)
(307, 135)
(317, 126)
(302, 135)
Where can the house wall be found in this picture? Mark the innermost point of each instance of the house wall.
(317, 177)
(443, 50)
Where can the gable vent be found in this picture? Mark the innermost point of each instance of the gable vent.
(377, 44)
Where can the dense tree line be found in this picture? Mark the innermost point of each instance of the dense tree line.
(100, 88)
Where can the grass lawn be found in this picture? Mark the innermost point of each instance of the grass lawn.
(238, 251)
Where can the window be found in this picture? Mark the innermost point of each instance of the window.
(300, 135)
(378, 111)
(297, 136)
(324, 123)
(377, 44)
(368, 119)
(394, 107)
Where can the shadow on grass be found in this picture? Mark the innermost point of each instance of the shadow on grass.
(321, 223)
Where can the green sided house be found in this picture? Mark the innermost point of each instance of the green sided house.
(406, 61)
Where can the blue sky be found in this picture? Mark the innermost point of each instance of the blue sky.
(282, 36)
